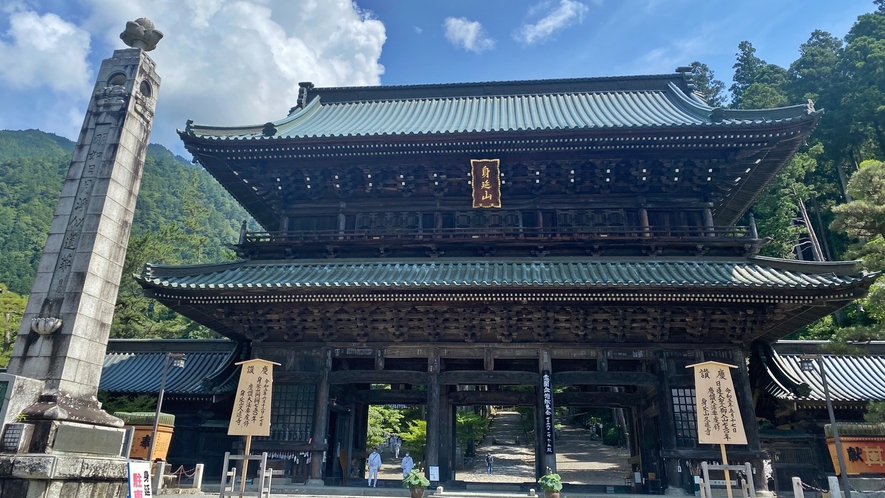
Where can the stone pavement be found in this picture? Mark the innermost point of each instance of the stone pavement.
(580, 460)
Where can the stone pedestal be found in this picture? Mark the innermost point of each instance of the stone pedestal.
(62, 476)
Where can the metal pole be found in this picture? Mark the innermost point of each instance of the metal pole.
(823, 376)
(159, 406)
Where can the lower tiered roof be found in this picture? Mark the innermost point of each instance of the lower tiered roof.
(767, 298)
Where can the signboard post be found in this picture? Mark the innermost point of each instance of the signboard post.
(251, 414)
(719, 417)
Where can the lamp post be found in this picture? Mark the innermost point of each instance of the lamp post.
(807, 365)
(178, 362)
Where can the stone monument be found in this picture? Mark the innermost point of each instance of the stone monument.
(56, 440)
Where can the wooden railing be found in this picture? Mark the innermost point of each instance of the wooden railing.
(702, 234)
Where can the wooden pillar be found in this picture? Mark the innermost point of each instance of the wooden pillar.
(433, 411)
(667, 427)
(544, 459)
(754, 233)
(447, 434)
(744, 393)
(708, 219)
(321, 417)
(643, 218)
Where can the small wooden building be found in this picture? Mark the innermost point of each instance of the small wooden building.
(200, 395)
(792, 403)
(584, 237)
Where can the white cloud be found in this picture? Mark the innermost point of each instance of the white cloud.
(234, 62)
(567, 13)
(46, 53)
(418, 30)
(467, 34)
(679, 52)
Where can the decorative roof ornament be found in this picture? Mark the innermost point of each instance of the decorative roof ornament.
(810, 106)
(140, 33)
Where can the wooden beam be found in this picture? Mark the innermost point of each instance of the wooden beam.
(604, 379)
(391, 397)
(296, 377)
(477, 377)
(506, 398)
(377, 377)
(606, 399)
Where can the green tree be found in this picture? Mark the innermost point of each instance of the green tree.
(707, 85)
(745, 69)
(777, 208)
(12, 307)
(415, 439)
(864, 216)
(471, 427)
(383, 421)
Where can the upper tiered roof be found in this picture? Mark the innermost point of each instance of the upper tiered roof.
(335, 140)
(637, 102)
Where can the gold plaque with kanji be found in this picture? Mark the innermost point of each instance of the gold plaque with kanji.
(486, 180)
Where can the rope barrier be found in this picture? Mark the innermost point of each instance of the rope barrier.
(181, 472)
(812, 488)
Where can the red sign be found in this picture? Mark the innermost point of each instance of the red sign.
(486, 180)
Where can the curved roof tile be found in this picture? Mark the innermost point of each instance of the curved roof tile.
(138, 371)
(662, 107)
(750, 274)
(850, 378)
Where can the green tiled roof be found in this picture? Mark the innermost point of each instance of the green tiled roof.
(578, 104)
(851, 378)
(136, 366)
(751, 273)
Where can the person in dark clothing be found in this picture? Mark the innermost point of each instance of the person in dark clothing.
(489, 460)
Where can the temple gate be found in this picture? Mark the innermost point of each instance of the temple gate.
(447, 240)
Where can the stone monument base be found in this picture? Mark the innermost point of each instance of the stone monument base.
(57, 476)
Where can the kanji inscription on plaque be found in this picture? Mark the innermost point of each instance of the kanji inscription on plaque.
(486, 181)
(719, 416)
(251, 414)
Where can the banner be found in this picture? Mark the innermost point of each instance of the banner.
(486, 181)
(251, 414)
(719, 416)
(549, 424)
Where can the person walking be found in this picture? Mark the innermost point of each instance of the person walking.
(407, 464)
(397, 444)
(374, 466)
(489, 461)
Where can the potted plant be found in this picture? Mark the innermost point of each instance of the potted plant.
(551, 483)
(416, 482)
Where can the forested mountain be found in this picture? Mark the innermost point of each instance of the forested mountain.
(183, 216)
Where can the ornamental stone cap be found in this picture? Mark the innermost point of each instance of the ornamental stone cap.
(140, 33)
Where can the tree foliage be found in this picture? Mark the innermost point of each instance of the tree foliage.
(713, 90)
(415, 439)
(471, 427)
(183, 216)
(12, 307)
(383, 421)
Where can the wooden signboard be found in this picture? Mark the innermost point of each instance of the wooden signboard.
(719, 417)
(251, 414)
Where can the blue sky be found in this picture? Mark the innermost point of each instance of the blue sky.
(230, 62)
